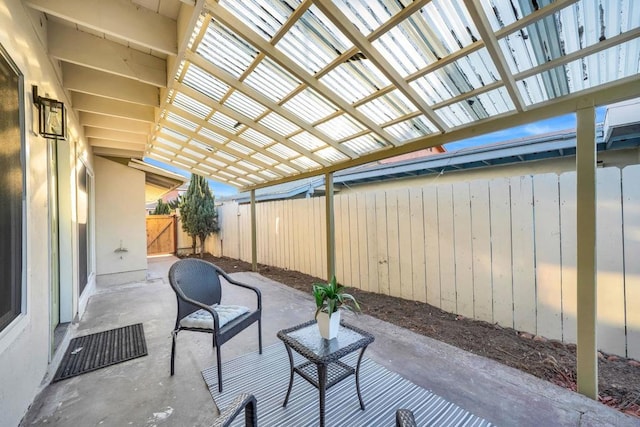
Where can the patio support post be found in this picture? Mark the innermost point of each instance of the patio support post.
(331, 232)
(254, 245)
(587, 357)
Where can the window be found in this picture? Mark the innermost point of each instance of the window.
(11, 190)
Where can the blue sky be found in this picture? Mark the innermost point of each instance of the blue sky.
(531, 129)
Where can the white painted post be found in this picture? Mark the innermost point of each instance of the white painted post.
(331, 232)
(587, 358)
(254, 247)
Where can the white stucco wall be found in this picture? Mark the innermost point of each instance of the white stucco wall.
(24, 344)
(120, 223)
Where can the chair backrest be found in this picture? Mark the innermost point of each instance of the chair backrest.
(197, 280)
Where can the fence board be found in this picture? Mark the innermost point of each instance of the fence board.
(305, 236)
(609, 260)
(432, 245)
(381, 238)
(524, 290)
(499, 196)
(631, 220)
(447, 250)
(280, 233)
(393, 249)
(363, 237)
(568, 247)
(463, 250)
(322, 220)
(372, 242)
(404, 245)
(481, 247)
(547, 256)
(418, 278)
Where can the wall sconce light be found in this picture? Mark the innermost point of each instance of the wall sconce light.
(52, 119)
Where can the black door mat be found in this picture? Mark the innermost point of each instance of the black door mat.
(102, 349)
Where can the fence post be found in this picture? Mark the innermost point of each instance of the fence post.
(331, 232)
(254, 248)
(587, 358)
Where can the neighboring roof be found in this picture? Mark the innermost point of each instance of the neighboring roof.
(551, 145)
(158, 181)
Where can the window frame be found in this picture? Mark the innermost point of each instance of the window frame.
(19, 306)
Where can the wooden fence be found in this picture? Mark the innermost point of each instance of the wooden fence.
(501, 250)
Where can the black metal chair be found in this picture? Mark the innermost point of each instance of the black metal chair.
(404, 418)
(243, 402)
(199, 291)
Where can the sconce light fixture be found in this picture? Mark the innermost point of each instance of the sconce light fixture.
(52, 120)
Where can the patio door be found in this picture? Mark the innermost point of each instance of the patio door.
(54, 246)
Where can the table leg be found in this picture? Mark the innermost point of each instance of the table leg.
(286, 399)
(358, 377)
(322, 389)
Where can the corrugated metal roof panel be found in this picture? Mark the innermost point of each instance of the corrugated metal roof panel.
(410, 58)
(223, 48)
(340, 127)
(313, 41)
(355, 79)
(310, 106)
(264, 17)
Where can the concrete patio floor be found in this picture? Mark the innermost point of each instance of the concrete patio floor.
(141, 392)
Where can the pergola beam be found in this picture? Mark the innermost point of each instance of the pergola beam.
(237, 117)
(115, 135)
(115, 152)
(120, 145)
(619, 90)
(109, 107)
(258, 97)
(232, 22)
(92, 82)
(245, 120)
(214, 144)
(77, 47)
(495, 52)
(114, 123)
(118, 18)
(346, 27)
(203, 161)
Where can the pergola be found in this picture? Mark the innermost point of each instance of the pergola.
(259, 92)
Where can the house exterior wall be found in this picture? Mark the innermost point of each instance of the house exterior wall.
(25, 355)
(120, 223)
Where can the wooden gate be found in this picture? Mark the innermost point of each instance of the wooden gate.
(161, 234)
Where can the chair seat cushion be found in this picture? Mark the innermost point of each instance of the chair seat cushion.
(202, 319)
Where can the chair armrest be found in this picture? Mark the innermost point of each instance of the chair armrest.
(246, 402)
(242, 285)
(404, 418)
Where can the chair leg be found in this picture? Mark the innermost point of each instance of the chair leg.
(219, 369)
(173, 351)
(260, 336)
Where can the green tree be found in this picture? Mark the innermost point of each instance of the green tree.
(198, 212)
(162, 208)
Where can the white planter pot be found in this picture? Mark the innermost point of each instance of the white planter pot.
(328, 326)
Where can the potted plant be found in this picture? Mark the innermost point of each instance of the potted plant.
(329, 300)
